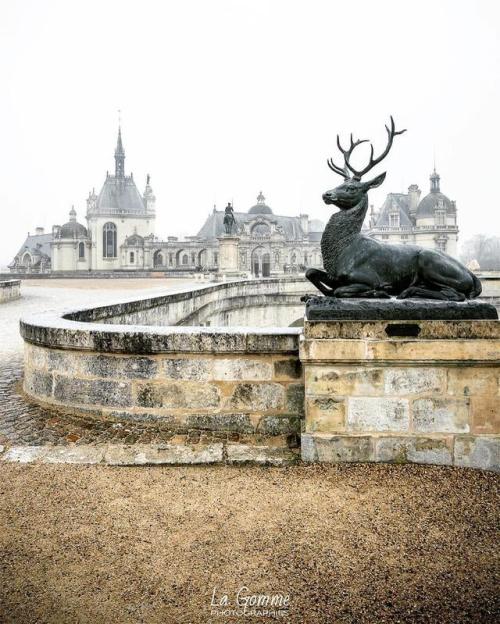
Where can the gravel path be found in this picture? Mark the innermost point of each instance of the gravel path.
(348, 544)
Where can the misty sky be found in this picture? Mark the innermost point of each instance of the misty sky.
(222, 99)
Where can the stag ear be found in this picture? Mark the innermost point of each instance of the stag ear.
(375, 182)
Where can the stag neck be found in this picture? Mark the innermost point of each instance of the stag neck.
(341, 230)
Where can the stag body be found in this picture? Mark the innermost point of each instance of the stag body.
(359, 266)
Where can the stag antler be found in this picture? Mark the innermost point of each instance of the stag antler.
(357, 175)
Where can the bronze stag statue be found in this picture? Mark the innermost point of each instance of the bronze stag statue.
(360, 266)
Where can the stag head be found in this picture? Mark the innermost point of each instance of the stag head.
(351, 192)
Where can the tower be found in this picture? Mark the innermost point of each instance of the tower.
(119, 157)
(435, 181)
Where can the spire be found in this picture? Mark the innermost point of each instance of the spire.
(435, 181)
(119, 156)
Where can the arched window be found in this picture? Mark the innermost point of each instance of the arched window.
(81, 251)
(185, 259)
(109, 240)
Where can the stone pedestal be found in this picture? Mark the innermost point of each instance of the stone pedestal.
(228, 256)
(424, 391)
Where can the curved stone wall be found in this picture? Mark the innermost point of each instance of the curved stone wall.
(240, 391)
(9, 290)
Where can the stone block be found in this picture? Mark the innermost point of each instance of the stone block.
(191, 369)
(256, 397)
(434, 350)
(279, 425)
(274, 456)
(470, 381)
(418, 450)
(117, 367)
(335, 449)
(344, 380)
(441, 415)
(24, 454)
(74, 391)
(295, 398)
(325, 414)
(477, 452)
(332, 350)
(228, 369)
(408, 380)
(220, 422)
(145, 454)
(377, 414)
(485, 412)
(38, 383)
(288, 369)
(81, 454)
(178, 395)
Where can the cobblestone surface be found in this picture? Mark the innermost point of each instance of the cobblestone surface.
(22, 422)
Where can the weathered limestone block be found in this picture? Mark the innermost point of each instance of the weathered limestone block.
(175, 395)
(117, 366)
(81, 454)
(277, 456)
(485, 411)
(192, 369)
(226, 369)
(279, 425)
(288, 369)
(418, 450)
(344, 380)
(220, 422)
(470, 381)
(418, 351)
(258, 396)
(335, 449)
(144, 454)
(325, 414)
(408, 380)
(38, 383)
(477, 452)
(295, 398)
(377, 414)
(76, 391)
(441, 415)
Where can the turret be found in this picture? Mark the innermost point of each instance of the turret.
(149, 197)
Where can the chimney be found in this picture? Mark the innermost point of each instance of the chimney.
(414, 198)
(39, 230)
(304, 223)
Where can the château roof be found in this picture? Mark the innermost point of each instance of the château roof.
(120, 195)
(430, 202)
(394, 202)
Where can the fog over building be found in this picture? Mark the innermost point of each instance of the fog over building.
(405, 218)
(120, 233)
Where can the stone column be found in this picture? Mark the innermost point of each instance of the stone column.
(402, 390)
(228, 256)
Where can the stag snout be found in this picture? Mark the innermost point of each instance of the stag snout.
(329, 197)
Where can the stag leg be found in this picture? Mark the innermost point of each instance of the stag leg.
(322, 281)
(361, 290)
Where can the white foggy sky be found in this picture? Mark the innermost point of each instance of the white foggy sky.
(221, 99)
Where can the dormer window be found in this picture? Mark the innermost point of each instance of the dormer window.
(394, 219)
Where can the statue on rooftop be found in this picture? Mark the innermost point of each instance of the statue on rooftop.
(359, 266)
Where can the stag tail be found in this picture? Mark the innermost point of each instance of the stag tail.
(348, 168)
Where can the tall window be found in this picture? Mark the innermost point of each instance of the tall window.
(109, 240)
(185, 259)
(81, 251)
(132, 257)
(394, 220)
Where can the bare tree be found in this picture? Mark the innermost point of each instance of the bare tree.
(485, 249)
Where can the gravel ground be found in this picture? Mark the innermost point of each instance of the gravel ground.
(354, 543)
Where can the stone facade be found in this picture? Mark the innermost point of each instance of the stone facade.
(432, 399)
